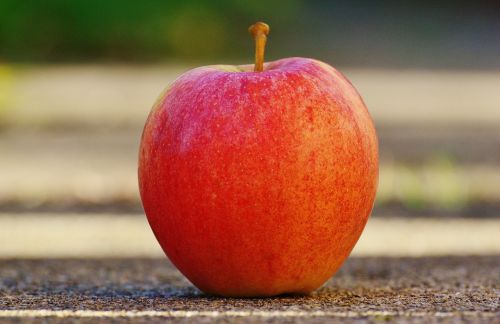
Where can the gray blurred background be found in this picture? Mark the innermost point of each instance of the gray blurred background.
(77, 80)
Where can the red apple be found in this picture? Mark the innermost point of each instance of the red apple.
(258, 183)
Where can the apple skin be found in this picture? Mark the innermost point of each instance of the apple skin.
(259, 183)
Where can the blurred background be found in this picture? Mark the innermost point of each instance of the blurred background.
(77, 80)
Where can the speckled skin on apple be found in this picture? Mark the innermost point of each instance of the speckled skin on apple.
(259, 183)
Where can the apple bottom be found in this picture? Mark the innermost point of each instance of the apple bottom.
(259, 254)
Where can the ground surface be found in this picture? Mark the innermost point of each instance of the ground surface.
(413, 289)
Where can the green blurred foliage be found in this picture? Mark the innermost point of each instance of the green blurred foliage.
(6, 80)
(458, 34)
(437, 182)
(68, 30)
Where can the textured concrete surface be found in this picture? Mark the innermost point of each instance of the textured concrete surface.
(370, 289)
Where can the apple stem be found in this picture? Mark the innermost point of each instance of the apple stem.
(259, 32)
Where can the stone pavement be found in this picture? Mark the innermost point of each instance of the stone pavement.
(108, 267)
(426, 289)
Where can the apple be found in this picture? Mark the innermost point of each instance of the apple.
(259, 183)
